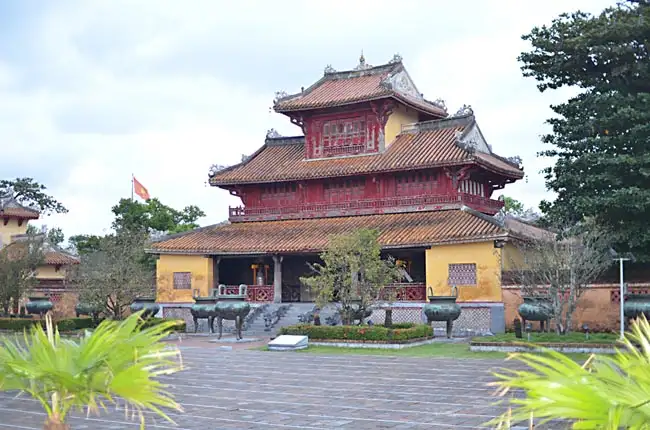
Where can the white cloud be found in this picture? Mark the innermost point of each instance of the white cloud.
(164, 89)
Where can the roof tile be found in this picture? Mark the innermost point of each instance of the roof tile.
(424, 149)
(311, 235)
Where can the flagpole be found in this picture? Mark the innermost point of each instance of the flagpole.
(132, 185)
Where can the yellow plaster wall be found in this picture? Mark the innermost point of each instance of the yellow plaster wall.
(512, 257)
(12, 227)
(401, 115)
(488, 270)
(198, 265)
(50, 272)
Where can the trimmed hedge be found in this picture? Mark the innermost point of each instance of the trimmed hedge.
(179, 325)
(366, 333)
(70, 324)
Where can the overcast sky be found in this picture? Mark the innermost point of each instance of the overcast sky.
(92, 91)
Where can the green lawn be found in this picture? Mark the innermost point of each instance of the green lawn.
(451, 350)
(440, 350)
(551, 338)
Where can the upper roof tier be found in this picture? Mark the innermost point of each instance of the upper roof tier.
(362, 84)
(11, 208)
(451, 141)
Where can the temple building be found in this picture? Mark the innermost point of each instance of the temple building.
(370, 152)
(51, 275)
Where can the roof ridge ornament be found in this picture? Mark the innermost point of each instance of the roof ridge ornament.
(329, 70)
(279, 95)
(439, 102)
(216, 168)
(272, 134)
(362, 63)
(396, 59)
(465, 110)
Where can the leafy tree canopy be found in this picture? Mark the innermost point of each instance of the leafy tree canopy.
(84, 243)
(353, 273)
(153, 216)
(112, 274)
(600, 138)
(30, 193)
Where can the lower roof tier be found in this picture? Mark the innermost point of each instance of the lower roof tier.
(402, 230)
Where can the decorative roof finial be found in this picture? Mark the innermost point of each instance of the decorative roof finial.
(396, 59)
(465, 110)
(362, 63)
(329, 69)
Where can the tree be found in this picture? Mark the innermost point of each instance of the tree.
(84, 243)
(30, 193)
(117, 362)
(113, 275)
(19, 262)
(55, 236)
(512, 206)
(353, 273)
(603, 393)
(599, 137)
(153, 216)
(560, 268)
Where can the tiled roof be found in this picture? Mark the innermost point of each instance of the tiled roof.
(55, 257)
(17, 211)
(283, 159)
(311, 235)
(356, 86)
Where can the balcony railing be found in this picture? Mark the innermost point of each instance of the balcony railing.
(406, 292)
(399, 292)
(365, 207)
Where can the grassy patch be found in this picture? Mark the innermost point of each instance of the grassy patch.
(450, 350)
(602, 338)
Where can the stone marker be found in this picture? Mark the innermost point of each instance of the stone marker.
(288, 343)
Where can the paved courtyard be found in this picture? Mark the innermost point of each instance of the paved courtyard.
(248, 389)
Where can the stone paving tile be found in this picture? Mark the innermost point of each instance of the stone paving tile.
(244, 389)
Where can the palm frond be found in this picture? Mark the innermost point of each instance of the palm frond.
(119, 361)
(605, 392)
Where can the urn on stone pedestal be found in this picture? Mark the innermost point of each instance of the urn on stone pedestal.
(39, 305)
(232, 307)
(148, 304)
(536, 309)
(204, 307)
(442, 308)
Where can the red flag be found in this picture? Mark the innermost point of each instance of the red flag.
(140, 190)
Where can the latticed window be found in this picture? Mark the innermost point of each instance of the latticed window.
(182, 280)
(462, 274)
(344, 191)
(416, 183)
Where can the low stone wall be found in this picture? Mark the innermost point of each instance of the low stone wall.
(475, 319)
(598, 306)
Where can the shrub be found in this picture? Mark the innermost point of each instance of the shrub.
(366, 333)
(178, 327)
(70, 324)
(403, 325)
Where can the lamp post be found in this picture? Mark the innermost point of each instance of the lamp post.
(621, 259)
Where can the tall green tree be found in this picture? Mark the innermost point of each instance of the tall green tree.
(352, 274)
(115, 273)
(84, 243)
(19, 262)
(30, 193)
(601, 137)
(153, 216)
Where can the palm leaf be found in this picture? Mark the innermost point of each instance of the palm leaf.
(604, 393)
(117, 363)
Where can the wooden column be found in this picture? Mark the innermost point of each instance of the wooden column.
(277, 279)
(215, 272)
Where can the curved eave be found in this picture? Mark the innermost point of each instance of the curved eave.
(434, 111)
(216, 183)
